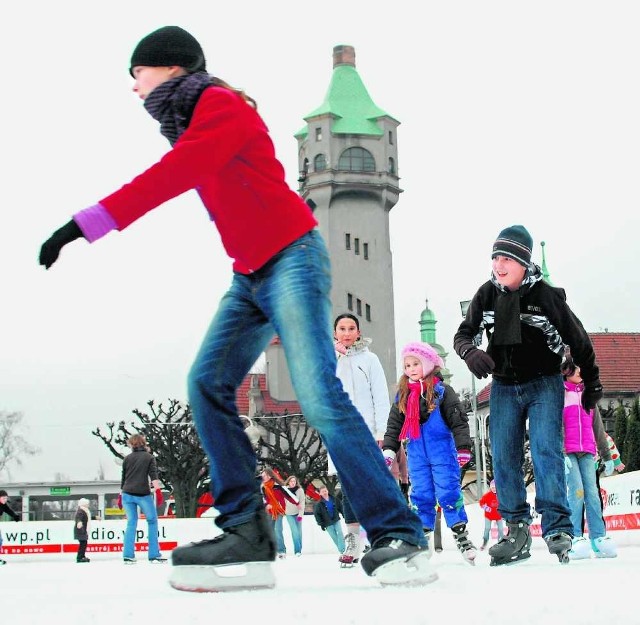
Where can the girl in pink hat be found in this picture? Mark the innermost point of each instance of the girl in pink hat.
(428, 413)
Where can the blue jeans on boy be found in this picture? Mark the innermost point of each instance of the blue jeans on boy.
(277, 528)
(130, 504)
(541, 401)
(335, 531)
(583, 489)
(288, 297)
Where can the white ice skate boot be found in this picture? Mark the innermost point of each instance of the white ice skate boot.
(604, 547)
(351, 553)
(580, 549)
(463, 542)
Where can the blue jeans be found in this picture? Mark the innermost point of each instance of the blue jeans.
(296, 533)
(583, 489)
(541, 401)
(335, 531)
(288, 297)
(131, 503)
(487, 529)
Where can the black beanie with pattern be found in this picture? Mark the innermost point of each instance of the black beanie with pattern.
(514, 242)
(169, 45)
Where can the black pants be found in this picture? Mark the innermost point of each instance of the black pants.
(81, 549)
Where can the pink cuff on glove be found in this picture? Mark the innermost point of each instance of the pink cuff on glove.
(94, 222)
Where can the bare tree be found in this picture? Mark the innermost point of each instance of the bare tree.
(13, 444)
(290, 445)
(182, 463)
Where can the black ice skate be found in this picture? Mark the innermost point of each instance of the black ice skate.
(560, 545)
(351, 553)
(239, 559)
(395, 562)
(513, 547)
(463, 542)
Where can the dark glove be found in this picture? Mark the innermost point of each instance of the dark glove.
(479, 362)
(591, 395)
(50, 249)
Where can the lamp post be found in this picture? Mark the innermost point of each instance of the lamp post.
(464, 306)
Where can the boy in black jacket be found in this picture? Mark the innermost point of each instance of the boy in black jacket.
(527, 322)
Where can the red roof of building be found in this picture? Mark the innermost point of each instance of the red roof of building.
(271, 405)
(617, 355)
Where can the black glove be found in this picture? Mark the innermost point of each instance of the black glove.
(479, 362)
(50, 249)
(591, 395)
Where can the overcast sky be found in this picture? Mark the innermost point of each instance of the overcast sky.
(510, 112)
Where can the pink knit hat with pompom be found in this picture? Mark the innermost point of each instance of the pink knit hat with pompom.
(427, 356)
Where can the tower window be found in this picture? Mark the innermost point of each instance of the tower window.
(392, 166)
(319, 162)
(356, 159)
(367, 312)
(390, 137)
(318, 134)
(359, 307)
(349, 301)
(347, 241)
(356, 245)
(365, 251)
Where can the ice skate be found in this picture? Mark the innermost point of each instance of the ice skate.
(351, 553)
(82, 560)
(129, 560)
(484, 545)
(428, 534)
(464, 544)
(513, 547)
(604, 547)
(580, 549)
(560, 545)
(395, 562)
(239, 559)
(158, 560)
(3, 562)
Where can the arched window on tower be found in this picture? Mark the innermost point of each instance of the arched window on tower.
(356, 159)
(392, 166)
(319, 162)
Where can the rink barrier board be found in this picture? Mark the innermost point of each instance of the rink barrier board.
(621, 495)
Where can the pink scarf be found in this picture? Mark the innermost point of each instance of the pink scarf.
(411, 426)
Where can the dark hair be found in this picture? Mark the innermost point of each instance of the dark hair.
(568, 367)
(346, 316)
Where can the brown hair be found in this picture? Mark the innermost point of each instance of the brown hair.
(428, 392)
(137, 440)
(218, 82)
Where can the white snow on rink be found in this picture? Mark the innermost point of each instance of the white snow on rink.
(313, 589)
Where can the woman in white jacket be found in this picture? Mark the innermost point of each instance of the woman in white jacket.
(363, 379)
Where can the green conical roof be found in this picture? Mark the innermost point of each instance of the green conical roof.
(349, 102)
(543, 268)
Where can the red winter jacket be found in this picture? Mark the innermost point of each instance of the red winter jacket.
(490, 499)
(227, 156)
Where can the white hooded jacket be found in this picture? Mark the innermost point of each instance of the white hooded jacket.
(363, 379)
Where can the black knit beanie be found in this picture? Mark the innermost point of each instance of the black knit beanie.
(514, 242)
(169, 45)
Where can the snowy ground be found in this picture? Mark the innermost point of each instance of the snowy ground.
(313, 589)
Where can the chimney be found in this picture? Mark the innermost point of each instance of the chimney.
(344, 55)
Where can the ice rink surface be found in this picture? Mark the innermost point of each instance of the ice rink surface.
(313, 589)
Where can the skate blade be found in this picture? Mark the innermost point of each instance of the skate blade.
(514, 560)
(229, 577)
(415, 571)
(605, 555)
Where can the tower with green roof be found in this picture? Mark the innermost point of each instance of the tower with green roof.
(428, 335)
(348, 163)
